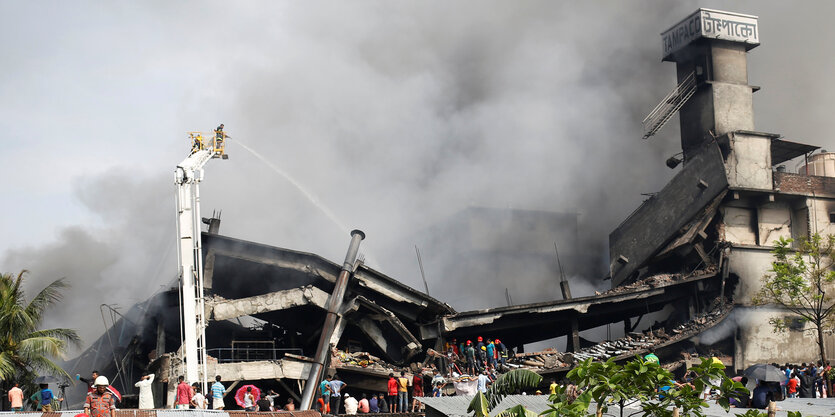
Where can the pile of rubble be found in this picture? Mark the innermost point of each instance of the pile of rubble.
(341, 359)
(373, 364)
(660, 280)
(628, 346)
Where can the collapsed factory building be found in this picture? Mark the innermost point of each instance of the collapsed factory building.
(688, 260)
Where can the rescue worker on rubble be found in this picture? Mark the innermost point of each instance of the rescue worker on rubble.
(479, 351)
(471, 358)
(502, 350)
(491, 353)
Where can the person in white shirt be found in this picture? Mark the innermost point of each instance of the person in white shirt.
(351, 404)
(198, 400)
(146, 397)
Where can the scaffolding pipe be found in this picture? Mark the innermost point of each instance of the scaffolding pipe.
(334, 304)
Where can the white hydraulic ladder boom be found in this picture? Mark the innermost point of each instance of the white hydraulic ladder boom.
(187, 178)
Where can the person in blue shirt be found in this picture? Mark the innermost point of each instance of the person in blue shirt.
(46, 398)
(218, 391)
(325, 398)
(336, 394)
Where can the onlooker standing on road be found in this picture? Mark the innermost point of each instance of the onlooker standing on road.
(263, 404)
(325, 396)
(198, 400)
(336, 394)
(807, 385)
(16, 397)
(146, 397)
(417, 390)
(392, 393)
(271, 396)
(46, 398)
(218, 391)
(249, 400)
(184, 394)
(402, 392)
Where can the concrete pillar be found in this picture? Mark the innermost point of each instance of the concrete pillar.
(573, 344)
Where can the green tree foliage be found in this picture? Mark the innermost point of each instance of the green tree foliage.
(608, 383)
(509, 383)
(799, 279)
(26, 351)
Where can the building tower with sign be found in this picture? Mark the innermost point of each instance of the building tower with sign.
(733, 197)
(710, 47)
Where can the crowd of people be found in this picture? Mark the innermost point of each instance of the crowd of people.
(43, 399)
(190, 396)
(810, 380)
(401, 396)
(473, 359)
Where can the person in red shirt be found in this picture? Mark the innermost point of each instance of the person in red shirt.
(791, 387)
(417, 390)
(184, 394)
(363, 406)
(392, 394)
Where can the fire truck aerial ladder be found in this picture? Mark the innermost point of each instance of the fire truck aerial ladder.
(187, 178)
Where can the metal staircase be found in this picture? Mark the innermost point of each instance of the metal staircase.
(664, 111)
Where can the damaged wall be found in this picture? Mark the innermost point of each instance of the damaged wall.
(757, 342)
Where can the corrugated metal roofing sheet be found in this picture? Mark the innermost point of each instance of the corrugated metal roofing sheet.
(457, 405)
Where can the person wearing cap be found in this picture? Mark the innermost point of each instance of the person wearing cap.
(351, 405)
(479, 351)
(471, 358)
(502, 352)
(100, 402)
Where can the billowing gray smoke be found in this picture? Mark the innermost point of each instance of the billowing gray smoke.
(395, 116)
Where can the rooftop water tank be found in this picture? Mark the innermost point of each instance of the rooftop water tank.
(821, 165)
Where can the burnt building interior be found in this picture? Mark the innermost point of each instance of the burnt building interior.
(682, 263)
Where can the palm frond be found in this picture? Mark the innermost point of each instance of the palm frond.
(479, 405)
(509, 383)
(51, 294)
(517, 411)
(44, 366)
(40, 346)
(66, 335)
(7, 367)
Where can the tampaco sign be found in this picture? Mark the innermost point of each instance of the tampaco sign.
(713, 24)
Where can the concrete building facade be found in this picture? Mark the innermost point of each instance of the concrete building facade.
(733, 197)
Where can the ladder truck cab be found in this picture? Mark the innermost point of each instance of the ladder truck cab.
(187, 178)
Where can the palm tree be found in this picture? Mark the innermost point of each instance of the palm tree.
(26, 350)
(511, 382)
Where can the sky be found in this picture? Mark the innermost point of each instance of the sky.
(384, 116)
